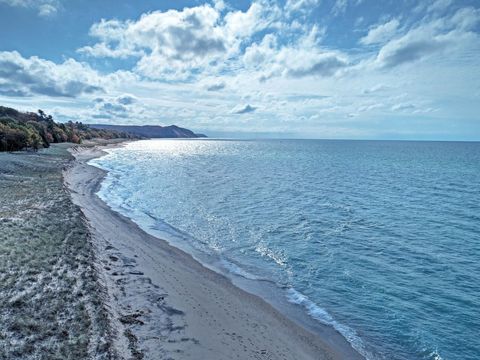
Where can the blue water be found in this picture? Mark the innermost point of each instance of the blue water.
(379, 239)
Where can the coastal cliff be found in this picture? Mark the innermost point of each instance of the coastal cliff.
(152, 131)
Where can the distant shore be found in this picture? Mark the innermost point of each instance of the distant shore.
(166, 304)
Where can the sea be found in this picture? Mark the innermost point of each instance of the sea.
(379, 240)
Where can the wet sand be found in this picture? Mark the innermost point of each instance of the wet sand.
(166, 305)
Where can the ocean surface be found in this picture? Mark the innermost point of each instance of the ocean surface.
(378, 239)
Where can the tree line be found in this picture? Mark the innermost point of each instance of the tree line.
(28, 130)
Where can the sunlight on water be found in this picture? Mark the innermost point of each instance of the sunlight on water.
(380, 240)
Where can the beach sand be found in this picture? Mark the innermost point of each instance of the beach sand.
(166, 305)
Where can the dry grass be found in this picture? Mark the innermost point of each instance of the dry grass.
(51, 301)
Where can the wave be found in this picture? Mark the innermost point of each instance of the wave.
(322, 315)
(110, 194)
(239, 271)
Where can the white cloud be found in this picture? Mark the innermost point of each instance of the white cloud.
(465, 19)
(180, 45)
(438, 36)
(292, 6)
(411, 47)
(375, 89)
(439, 5)
(45, 8)
(381, 33)
(240, 25)
(257, 54)
(221, 53)
(305, 58)
(339, 7)
(172, 44)
(38, 76)
(321, 63)
(403, 107)
(219, 5)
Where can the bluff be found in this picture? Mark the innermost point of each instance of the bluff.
(152, 131)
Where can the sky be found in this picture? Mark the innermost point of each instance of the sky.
(334, 69)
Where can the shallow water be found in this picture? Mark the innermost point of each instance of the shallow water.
(379, 239)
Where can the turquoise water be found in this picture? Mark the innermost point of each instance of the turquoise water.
(380, 240)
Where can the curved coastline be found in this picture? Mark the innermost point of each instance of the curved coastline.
(176, 305)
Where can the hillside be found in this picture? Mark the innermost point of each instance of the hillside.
(27, 130)
(152, 131)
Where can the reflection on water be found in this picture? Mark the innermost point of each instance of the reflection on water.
(379, 239)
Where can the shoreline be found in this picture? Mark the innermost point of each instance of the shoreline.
(164, 303)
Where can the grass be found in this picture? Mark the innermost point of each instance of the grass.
(51, 300)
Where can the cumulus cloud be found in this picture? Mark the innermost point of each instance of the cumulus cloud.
(243, 109)
(45, 8)
(173, 43)
(181, 45)
(306, 58)
(381, 33)
(38, 76)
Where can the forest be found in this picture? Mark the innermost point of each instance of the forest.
(32, 131)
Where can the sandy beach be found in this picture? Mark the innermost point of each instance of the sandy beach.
(164, 304)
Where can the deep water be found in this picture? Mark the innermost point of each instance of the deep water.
(380, 239)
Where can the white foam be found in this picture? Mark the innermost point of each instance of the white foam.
(324, 317)
(237, 270)
(116, 200)
(267, 252)
(435, 355)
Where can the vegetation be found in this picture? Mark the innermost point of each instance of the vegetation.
(29, 130)
(52, 302)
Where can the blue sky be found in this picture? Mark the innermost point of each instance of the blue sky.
(358, 69)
